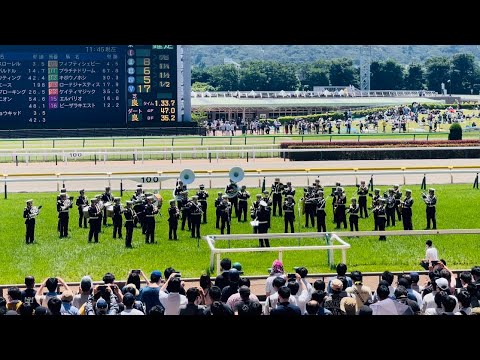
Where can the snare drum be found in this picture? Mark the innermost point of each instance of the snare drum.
(110, 211)
(86, 215)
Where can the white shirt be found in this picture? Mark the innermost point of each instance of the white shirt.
(172, 302)
(272, 301)
(431, 254)
(131, 311)
(302, 298)
(269, 283)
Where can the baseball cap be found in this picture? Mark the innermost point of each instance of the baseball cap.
(234, 275)
(414, 276)
(336, 285)
(348, 305)
(238, 266)
(67, 296)
(102, 304)
(442, 283)
(133, 287)
(86, 283)
(156, 273)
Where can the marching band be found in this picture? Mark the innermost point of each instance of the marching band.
(143, 208)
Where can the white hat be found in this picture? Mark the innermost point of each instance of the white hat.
(262, 203)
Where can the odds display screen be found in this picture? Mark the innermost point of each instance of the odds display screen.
(83, 86)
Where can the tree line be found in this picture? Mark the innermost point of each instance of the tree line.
(460, 74)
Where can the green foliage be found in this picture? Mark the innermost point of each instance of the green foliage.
(199, 116)
(386, 75)
(225, 77)
(465, 73)
(342, 72)
(199, 86)
(73, 257)
(268, 76)
(415, 77)
(438, 72)
(455, 132)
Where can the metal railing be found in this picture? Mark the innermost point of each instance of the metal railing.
(327, 92)
(329, 238)
(252, 139)
(336, 236)
(247, 153)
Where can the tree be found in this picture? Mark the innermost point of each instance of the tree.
(438, 72)
(201, 74)
(225, 77)
(415, 78)
(386, 75)
(464, 73)
(313, 76)
(268, 76)
(342, 72)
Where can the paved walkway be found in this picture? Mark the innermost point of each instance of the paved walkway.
(226, 164)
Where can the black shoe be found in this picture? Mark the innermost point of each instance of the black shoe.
(129, 247)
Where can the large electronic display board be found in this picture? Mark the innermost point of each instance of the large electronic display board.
(88, 86)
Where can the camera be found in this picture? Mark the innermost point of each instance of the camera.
(102, 288)
(178, 275)
(291, 277)
(135, 271)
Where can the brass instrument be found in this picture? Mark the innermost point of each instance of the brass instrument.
(34, 212)
(67, 204)
(236, 174)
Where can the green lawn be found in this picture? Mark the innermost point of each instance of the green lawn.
(73, 257)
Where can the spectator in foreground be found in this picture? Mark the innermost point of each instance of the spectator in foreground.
(222, 280)
(129, 301)
(14, 299)
(341, 273)
(217, 308)
(285, 308)
(67, 308)
(360, 292)
(149, 295)
(387, 306)
(192, 307)
(85, 291)
(170, 296)
(277, 270)
(28, 295)
(55, 306)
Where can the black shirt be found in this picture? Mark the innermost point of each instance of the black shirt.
(28, 298)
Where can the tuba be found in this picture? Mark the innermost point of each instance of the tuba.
(236, 174)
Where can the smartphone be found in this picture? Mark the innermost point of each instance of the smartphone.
(291, 277)
(135, 271)
(178, 275)
(102, 288)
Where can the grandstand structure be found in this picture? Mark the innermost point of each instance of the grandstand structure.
(235, 105)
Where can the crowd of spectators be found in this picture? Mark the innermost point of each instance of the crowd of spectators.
(287, 294)
(396, 117)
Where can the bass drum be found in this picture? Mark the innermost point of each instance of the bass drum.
(110, 211)
(86, 215)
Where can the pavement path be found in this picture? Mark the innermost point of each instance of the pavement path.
(226, 164)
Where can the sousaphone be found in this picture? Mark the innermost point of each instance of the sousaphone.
(236, 174)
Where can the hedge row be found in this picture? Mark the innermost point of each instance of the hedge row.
(345, 154)
(377, 144)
